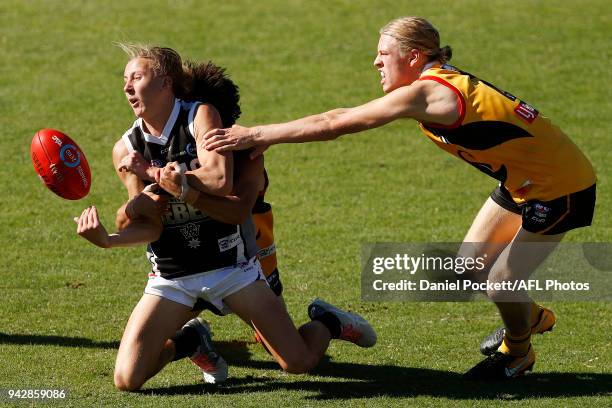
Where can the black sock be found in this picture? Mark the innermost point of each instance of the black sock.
(186, 342)
(330, 321)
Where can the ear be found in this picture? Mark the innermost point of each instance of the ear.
(414, 57)
(167, 82)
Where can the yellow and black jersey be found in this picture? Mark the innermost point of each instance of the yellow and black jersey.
(508, 139)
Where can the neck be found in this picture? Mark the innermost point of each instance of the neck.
(154, 124)
(428, 65)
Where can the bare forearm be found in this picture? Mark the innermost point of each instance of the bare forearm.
(211, 182)
(313, 128)
(138, 232)
(228, 209)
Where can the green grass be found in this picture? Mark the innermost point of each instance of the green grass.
(64, 303)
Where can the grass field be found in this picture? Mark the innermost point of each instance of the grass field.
(64, 303)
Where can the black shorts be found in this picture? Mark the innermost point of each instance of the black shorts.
(551, 217)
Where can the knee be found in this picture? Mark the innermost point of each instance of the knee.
(299, 365)
(496, 296)
(125, 381)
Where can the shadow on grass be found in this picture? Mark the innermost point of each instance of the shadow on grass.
(341, 381)
(237, 349)
(48, 340)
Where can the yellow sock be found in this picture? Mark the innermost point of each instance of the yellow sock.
(535, 313)
(516, 345)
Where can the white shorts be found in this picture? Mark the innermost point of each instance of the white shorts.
(210, 286)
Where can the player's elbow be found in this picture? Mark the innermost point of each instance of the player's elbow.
(332, 128)
(222, 186)
(121, 219)
(219, 184)
(215, 180)
(239, 216)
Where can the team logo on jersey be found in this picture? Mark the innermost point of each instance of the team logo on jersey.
(526, 112)
(190, 148)
(191, 232)
(540, 212)
(157, 163)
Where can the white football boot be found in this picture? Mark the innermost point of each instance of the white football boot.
(213, 366)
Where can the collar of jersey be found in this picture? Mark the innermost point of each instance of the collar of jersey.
(163, 139)
(429, 65)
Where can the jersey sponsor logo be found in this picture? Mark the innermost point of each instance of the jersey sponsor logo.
(229, 242)
(181, 213)
(526, 112)
(191, 232)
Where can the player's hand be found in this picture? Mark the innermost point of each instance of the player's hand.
(171, 179)
(134, 162)
(148, 203)
(90, 228)
(235, 138)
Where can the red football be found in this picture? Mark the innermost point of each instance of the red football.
(60, 164)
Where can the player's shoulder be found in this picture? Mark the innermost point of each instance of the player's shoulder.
(206, 110)
(124, 145)
(120, 149)
(128, 139)
(205, 117)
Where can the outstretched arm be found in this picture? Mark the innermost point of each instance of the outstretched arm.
(139, 231)
(138, 220)
(425, 101)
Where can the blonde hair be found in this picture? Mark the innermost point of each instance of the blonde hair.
(165, 61)
(416, 32)
(192, 81)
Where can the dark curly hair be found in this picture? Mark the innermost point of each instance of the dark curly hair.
(207, 82)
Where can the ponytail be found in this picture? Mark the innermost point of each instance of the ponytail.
(443, 54)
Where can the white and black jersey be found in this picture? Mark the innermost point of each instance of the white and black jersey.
(191, 241)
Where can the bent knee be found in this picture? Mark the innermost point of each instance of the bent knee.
(300, 365)
(127, 382)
